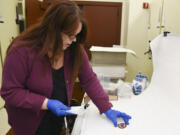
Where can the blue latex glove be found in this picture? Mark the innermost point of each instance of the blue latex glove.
(114, 114)
(57, 107)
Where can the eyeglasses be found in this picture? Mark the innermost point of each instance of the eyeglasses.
(71, 37)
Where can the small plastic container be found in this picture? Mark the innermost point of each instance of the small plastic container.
(124, 89)
(139, 84)
(108, 86)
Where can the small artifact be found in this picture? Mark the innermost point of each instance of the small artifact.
(120, 123)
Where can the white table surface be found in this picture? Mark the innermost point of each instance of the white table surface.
(150, 115)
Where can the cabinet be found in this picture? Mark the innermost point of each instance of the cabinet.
(103, 23)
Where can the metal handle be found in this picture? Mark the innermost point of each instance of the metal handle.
(66, 126)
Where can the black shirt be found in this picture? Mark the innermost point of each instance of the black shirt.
(52, 124)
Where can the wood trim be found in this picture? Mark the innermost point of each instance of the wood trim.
(99, 3)
(46, 3)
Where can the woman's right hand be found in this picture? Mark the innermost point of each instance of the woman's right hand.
(114, 114)
(57, 107)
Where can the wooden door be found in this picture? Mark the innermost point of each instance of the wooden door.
(34, 10)
(104, 24)
(103, 21)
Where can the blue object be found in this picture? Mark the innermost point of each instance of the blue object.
(57, 107)
(114, 114)
(139, 83)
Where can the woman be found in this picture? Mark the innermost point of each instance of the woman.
(40, 69)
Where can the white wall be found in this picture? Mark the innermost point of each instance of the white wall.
(138, 34)
(4, 127)
(9, 28)
(172, 13)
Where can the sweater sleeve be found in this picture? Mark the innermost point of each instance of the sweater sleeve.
(92, 86)
(13, 90)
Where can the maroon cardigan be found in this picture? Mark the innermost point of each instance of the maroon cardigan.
(26, 82)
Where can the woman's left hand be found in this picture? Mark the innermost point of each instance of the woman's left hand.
(114, 114)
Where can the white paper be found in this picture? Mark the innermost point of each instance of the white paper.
(76, 110)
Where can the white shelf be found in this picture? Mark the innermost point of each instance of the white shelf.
(111, 49)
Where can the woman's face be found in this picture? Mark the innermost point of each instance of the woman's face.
(68, 39)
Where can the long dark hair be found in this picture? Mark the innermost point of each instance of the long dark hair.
(61, 16)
